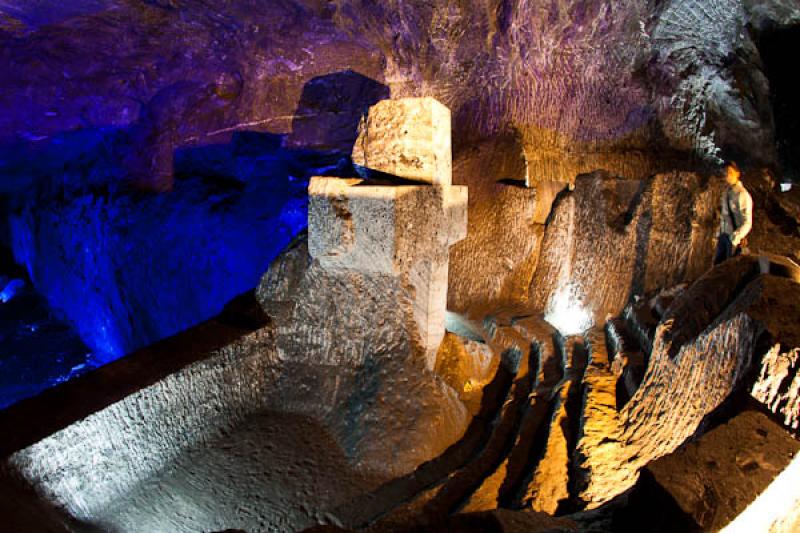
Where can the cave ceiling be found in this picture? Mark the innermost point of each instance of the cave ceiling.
(568, 77)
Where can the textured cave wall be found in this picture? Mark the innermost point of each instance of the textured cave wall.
(612, 238)
(97, 96)
(129, 270)
(216, 70)
(491, 267)
(101, 108)
(581, 81)
(702, 352)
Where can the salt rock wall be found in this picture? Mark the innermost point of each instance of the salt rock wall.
(611, 238)
(702, 351)
(218, 70)
(496, 261)
(778, 384)
(97, 97)
(351, 356)
(581, 81)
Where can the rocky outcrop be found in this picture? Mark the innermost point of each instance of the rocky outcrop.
(90, 465)
(399, 231)
(350, 358)
(278, 286)
(467, 366)
(365, 319)
(703, 348)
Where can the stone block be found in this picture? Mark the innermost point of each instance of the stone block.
(408, 138)
(402, 231)
(715, 478)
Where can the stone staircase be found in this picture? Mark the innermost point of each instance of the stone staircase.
(522, 450)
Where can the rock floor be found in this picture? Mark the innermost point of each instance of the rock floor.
(274, 473)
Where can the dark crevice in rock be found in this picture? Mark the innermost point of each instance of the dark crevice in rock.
(773, 46)
(649, 504)
(572, 426)
(628, 355)
(560, 197)
(462, 484)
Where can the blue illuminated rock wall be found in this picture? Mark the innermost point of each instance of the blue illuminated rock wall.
(129, 267)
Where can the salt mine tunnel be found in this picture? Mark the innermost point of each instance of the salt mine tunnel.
(412, 265)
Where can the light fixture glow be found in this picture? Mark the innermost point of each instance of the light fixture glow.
(567, 313)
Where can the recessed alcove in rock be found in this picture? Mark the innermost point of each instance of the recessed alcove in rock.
(773, 47)
(400, 266)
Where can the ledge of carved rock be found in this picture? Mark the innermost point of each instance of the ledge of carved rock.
(408, 138)
(702, 351)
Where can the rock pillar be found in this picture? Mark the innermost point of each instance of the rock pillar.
(400, 230)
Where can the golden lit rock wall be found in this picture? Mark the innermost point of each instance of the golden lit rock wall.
(611, 238)
(702, 350)
(496, 261)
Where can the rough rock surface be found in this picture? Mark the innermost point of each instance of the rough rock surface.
(600, 416)
(702, 351)
(358, 363)
(277, 287)
(650, 75)
(87, 467)
(713, 479)
(491, 267)
(467, 366)
(646, 235)
(399, 231)
(215, 445)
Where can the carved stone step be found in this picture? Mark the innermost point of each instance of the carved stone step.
(548, 489)
(501, 487)
(462, 485)
(642, 323)
(600, 417)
